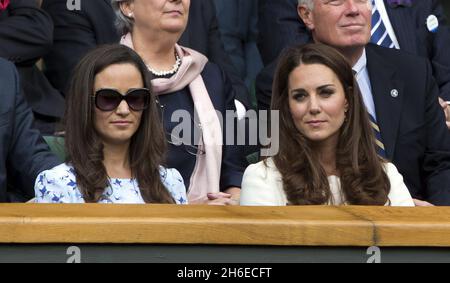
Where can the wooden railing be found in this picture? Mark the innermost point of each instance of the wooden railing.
(275, 226)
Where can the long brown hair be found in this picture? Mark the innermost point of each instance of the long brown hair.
(363, 179)
(83, 144)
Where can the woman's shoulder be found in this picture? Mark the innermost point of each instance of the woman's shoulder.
(63, 170)
(213, 71)
(265, 168)
(174, 183)
(170, 174)
(262, 185)
(57, 185)
(390, 169)
(211, 67)
(399, 194)
(394, 176)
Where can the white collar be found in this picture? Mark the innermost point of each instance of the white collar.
(361, 64)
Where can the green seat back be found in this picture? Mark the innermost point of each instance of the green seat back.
(56, 145)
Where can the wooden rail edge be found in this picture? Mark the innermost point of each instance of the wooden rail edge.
(211, 225)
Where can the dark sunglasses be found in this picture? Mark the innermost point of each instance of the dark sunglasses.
(109, 99)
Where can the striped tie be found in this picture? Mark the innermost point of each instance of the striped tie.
(379, 34)
(376, 130)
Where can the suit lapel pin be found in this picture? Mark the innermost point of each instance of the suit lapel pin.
(432, 23)
(394, 93)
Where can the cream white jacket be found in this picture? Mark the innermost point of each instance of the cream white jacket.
(262, 186)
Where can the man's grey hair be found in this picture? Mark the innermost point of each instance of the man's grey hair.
(124, 24)
(310, 3)
(307, 3)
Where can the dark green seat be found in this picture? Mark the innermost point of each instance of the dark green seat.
(56, 145)
(253, 99)
(253, 158)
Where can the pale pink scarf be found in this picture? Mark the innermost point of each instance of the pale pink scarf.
(3, 4)
(206, 175)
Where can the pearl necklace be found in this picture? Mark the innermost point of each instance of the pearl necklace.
(172, 71)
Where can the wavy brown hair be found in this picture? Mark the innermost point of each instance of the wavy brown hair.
(84, 146)
(363, 179)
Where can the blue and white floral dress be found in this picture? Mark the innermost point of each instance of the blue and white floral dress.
(58, 185)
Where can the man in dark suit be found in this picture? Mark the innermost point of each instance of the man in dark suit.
(238, 25)
(77, 32)
(398, 89)
(26, 34)
(202, 34)
(23, 152)
(280, 26)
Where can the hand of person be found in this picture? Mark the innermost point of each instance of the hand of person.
(422, 203)
(213, 199)
(231, 196)
(446, 109)
(235, 193)
(219, 199)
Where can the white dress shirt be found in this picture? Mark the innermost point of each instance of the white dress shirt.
(362, 77)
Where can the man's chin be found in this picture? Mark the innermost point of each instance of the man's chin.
(352, 44)
(346, 42)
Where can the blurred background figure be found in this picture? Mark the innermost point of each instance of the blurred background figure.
(23, 152)
(26, 35)
(238, 25)
(76, 32)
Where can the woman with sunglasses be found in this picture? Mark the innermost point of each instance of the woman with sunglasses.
(114, 141)
(184, 80)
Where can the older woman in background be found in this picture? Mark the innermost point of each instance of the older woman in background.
(185, 80)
